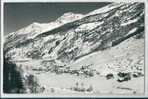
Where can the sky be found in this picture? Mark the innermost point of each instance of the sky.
(19, 15)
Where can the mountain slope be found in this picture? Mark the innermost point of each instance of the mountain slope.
(106, 42)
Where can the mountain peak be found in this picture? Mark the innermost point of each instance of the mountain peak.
(36, 24)
(69, 16)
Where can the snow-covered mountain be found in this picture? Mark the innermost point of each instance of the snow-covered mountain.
(106, 42)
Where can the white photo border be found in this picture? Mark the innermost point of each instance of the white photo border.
(57, 96)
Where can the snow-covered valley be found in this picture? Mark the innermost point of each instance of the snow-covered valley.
(101, 52)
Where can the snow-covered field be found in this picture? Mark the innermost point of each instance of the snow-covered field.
(63, 84)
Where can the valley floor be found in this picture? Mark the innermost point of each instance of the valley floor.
(65, 84)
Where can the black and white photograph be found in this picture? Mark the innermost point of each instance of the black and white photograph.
(73, 48)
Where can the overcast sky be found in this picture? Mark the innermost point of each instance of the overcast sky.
(19, 15)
